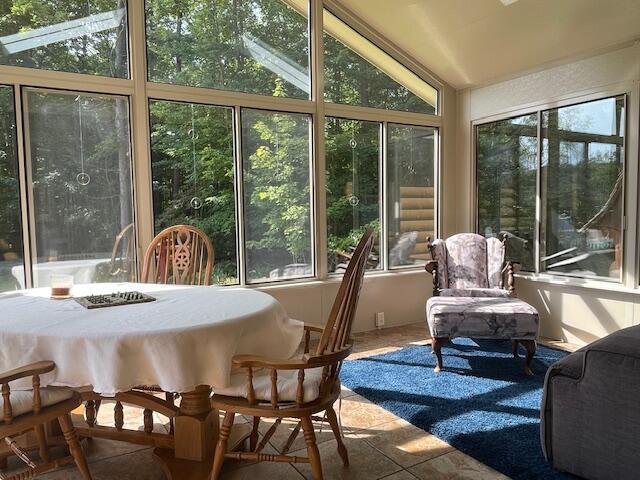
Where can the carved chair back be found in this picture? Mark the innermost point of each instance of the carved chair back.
(469, 260)
(182, 255)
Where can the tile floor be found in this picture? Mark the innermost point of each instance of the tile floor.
(380, 444)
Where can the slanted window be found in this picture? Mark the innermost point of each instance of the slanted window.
(357, 72)
(80, 36)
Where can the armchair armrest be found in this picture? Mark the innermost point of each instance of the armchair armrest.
(301, 363)
(432, 267)
(313, 328)
(37, 368)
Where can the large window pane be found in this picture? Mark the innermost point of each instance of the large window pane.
(506, 173)
(356, 72)
(582, 188)
(252, 46)
(78, 147)
(276, 165)
(192, 162)
(353, 192)
(80, 36)
(410, 193)
(10, 232)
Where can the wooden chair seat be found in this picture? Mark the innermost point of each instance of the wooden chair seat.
(22, 400)
(285, 410)
(287, 385)
(23, 411)
(25, 422)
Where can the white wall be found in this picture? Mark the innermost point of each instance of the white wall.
(574, 311)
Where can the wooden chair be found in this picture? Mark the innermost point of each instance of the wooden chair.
(122, 254)
(31, 410)
(297, 388)
(182, 255)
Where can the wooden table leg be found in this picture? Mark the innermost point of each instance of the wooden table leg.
(195, 433)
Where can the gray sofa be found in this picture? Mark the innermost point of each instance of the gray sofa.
(590, 414)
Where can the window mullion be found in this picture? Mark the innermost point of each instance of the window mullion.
(318, 180)
(384, 230)
(140, 132)
(24, 173)
(239, 192)
(538, 222)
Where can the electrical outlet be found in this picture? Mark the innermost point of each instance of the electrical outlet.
(380, 319)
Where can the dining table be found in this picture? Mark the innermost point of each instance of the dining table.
(180, 342)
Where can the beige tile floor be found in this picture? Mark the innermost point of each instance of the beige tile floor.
(380, 444)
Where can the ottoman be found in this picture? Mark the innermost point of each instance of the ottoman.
(485, 318)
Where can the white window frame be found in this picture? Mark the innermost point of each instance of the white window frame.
(139, 92)
(630, 275)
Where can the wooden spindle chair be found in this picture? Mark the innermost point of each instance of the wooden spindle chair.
(31, 410)
(182, 255)
(297, 388)
(123, 253)
(179, 255)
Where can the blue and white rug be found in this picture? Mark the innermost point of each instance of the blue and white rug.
(481, 403)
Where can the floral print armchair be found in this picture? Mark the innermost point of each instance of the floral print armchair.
(470, 265)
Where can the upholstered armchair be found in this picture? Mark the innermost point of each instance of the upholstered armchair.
(470, 265)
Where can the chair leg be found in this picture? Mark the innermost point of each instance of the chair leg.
(221, 448)
(514, 348)
(437, 348)
(75, 448)
(42, 443)
(171, 398)
(253, 438)
(530, 345)
(312, 448)
(333, 421)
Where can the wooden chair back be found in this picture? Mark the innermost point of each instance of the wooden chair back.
(182, 255)
(337, 331)
(122, 255)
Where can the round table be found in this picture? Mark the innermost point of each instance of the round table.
(182, 342)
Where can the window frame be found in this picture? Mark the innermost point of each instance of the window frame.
(140, 91)
(629, 263)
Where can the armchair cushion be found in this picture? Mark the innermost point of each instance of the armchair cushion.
(475, 292)
(497, 318)
(287, 385)
(22, 400)
(467, 261)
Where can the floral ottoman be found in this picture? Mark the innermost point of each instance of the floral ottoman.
(483, 317)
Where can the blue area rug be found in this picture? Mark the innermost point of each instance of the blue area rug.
(481, 403)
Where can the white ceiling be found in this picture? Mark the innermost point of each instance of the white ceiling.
(473, 42)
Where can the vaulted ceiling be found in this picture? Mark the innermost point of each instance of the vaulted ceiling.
(473, 42)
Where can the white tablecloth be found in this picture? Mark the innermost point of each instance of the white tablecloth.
(183, 339)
